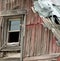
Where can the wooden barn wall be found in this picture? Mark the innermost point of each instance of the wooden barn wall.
(12, 5)
(38, 39)
(15, 4)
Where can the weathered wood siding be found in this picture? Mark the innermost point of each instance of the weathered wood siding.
(12, 5)
(38, 39)
(15, 4)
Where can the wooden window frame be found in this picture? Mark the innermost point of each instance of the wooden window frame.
(8, 46)
(9, 31)
(13, 31)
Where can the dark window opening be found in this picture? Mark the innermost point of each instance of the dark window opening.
(13, 37)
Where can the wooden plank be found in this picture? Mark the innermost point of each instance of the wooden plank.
(11, 48)
(24, 33)
(43, 57)
(1, 22)
(12, 12)
(38, 39)
(35, 42)
(45, 40)
(32, 41)
(22, 38)
(28, 41)
(25, 41)
(50, 48)
(56, 33)
(42, 39)
(47, 23)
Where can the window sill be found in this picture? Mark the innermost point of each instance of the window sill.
(12, 47)
(13, 44)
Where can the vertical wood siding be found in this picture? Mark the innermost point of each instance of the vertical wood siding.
(38, 39)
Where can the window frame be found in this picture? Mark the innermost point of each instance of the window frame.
(17, 43)
(9, 31)
(5, 17)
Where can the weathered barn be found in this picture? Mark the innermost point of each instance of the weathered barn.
(25, 35)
